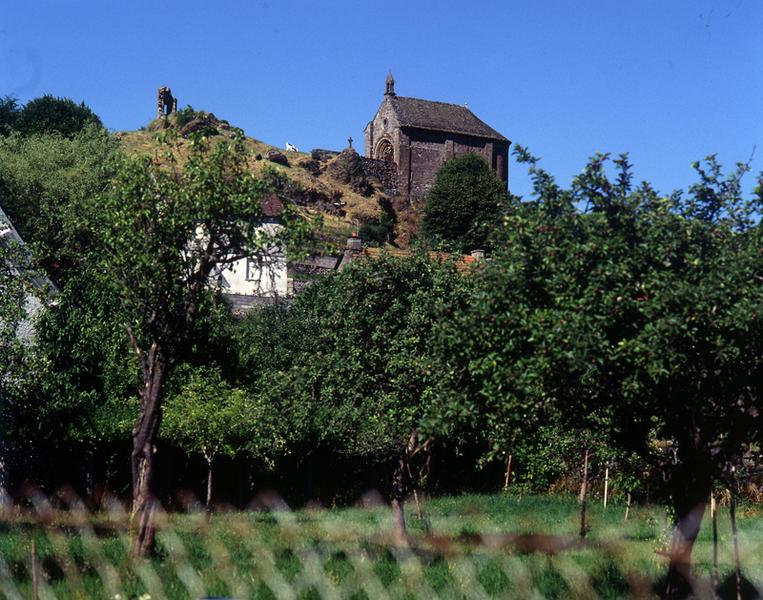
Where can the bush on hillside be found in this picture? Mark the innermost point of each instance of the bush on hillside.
(464, 203)
(9, 114)
(48, 114)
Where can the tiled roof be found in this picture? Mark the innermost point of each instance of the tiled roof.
(462, 263)
(441, 116)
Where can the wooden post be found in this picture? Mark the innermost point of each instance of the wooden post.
(508, 474)
(35, 580)
(733, 515)
(583, 491)
(714, 522)
(606, 484)
(627, 507)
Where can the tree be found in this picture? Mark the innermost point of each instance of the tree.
(9, 114)
(49, 114)
(353, 366)
(13, 374)
(83, 414)
(161, 233)
(464, 204)
(209, 417)
(46, 181)
(618, 311)
(21, 366)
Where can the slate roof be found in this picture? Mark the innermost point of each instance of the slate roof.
(441, 116)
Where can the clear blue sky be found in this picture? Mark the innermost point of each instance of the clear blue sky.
(667, 80)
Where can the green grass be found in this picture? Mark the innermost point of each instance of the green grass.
(346, 553)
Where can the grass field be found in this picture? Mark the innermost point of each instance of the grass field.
(463, 547)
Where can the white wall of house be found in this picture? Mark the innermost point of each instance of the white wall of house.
(263, 275)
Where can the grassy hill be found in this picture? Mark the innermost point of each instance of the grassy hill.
(321, 182)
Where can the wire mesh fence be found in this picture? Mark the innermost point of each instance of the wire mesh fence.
(58, 548)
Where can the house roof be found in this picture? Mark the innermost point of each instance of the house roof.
(272, 205)
(32, 304)
(441, 116)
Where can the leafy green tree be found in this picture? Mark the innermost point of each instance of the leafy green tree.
(161, 233)
(464, 204)
(619, 311)
(84, 412)
(45, 181)
(14, 372)
(49, 114)
(352, 366)
(9, 113)
(207, 416)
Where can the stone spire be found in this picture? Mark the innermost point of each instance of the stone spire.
(390, 91)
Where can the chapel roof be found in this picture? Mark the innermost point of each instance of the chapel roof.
(440, 116)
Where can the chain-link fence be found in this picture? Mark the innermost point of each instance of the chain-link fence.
(56, 548)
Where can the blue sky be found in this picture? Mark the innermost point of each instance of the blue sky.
(669, 81)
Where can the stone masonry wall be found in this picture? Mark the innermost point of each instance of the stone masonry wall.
(383, 170)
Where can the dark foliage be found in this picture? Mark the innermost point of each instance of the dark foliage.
(9, 114)
(464, 204)
(49, 114)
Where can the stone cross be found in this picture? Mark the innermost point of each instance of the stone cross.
(349, 142)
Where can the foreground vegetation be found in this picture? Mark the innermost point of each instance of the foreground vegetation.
(614, 331)
(348, 553)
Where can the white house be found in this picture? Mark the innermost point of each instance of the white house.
(261, 278)
(41, 284)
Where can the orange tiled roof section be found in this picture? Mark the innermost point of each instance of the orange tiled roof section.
(463, 264)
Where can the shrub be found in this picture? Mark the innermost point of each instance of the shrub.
(463, 204)
(9, 114)
(48, 114)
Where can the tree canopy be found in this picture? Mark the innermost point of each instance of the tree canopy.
(612, 309)
(50, 114)
(464, 205)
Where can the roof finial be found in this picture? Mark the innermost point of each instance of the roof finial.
(390, 91)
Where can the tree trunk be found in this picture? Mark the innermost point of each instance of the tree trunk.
(692, 484)
(583, 492)
(35, 573)
(143, 438)
(508, 475)
(398, 500)
(606, 484)
(733, 516)
(410, 448)
(209, 483)
(89, 468)
(627, 507)
(714, 521)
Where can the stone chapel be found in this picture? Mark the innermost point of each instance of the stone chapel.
(418, 136)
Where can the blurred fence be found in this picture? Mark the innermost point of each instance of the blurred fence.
(59, 549)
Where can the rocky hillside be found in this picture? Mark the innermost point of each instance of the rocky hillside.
(322, 181)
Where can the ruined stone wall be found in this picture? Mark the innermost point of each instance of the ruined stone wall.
(383, 170)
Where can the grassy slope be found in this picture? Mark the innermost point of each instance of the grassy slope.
(341, 552)
(358, 208)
